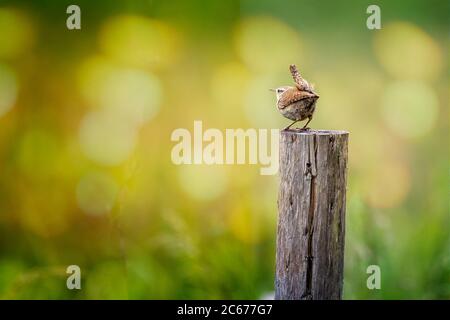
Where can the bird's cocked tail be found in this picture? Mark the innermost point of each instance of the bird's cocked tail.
(301, 83)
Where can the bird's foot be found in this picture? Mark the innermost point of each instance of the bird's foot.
(305, 129)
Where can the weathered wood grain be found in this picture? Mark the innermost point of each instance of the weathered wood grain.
(311, 214)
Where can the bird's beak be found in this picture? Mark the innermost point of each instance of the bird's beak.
(272, 89)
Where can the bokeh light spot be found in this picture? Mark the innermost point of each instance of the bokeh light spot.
(228, 85)
(267, 44)
(8, 89)
(410, 108)
(131, 93)
(407, 52)
(139, 41)
(96, 193)
(202, 182)
(106, 138)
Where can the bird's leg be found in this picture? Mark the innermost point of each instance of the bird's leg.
(309, 120)
(290, 125)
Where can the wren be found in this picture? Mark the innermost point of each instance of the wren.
(299, 102)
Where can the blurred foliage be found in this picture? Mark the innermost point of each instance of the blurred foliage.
(85, 124)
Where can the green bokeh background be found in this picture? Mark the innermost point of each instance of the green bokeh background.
(86, 118)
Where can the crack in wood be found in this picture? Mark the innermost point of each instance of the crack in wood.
(288, 262)
(311, 167)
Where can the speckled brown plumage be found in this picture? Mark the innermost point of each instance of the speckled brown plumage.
(299, 102)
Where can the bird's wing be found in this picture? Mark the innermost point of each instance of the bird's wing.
(293, 95)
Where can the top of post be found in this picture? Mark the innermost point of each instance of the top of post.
(314, 132)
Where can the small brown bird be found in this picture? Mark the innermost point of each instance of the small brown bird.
(296, 103)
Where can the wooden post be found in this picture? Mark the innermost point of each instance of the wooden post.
(311, 209)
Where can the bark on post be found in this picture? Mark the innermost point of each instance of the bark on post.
(311, 214)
